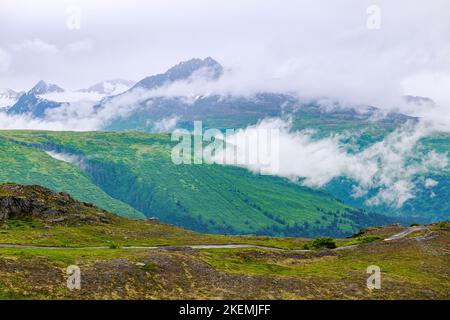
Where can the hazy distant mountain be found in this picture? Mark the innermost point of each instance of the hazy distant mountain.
(32, 102)
(44, 88)
(8, 97)
(421, 101)
(216, 110)
(207, 67)
(44, 96)
(149, 113)
(109, 87)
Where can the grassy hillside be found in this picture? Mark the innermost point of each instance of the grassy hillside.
(27, 165)
(36, 216)
(136, 169)
(357, 129)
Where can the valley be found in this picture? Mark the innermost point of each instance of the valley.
(132, 174)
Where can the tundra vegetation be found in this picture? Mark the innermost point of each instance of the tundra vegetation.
(43, 232)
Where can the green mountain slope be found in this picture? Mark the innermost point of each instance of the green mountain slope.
(136, 169)
(23, 164)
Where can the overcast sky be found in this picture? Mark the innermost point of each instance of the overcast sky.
(316, 47)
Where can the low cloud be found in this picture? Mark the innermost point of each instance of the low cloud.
(387, 167)
(26, 122)
(166, 124)
(82, 46)
(73, 97)
(233, 83)
(36, 46)
(67, 157)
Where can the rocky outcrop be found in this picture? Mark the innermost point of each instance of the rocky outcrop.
(31, 202)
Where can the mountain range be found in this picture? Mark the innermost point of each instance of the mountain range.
(216, 110)
(149, 108)
(46, 96)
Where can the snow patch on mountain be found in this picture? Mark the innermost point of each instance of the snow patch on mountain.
(109, 87)
(8, 97)
(43, 87)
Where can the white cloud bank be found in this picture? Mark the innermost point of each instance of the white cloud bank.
(166, 124)
(388, 166)
(35, 46)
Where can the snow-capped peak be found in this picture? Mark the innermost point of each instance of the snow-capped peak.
(110, 87)
(44, 88)
(208, 68)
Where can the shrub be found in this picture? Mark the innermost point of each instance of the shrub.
(361, 240)
(324, 242)
(151, 267)
(114, 245)
(443, 225)
(370, 239)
